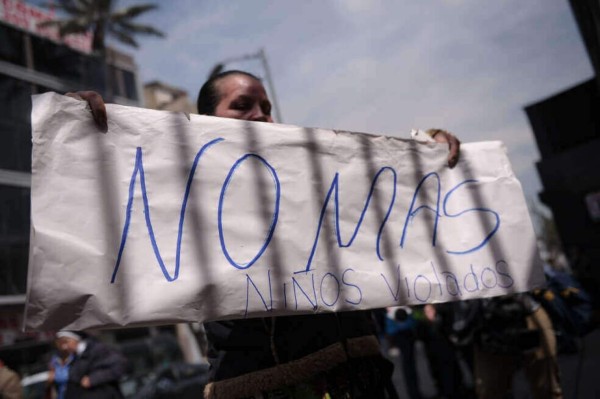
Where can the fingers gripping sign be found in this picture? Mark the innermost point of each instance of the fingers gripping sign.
(442, 136)
(97, 107)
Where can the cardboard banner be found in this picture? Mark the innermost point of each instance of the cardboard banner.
(165, 220)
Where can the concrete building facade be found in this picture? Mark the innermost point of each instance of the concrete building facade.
(567, 130)
(33, 61)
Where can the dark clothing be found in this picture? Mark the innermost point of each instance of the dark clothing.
(243, 346)
(400, 328)
(103, 365)
(253, 355)
(405, 341)
(443, 362)
(494, 371)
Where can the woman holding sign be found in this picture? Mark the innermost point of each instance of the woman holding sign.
(333, 355)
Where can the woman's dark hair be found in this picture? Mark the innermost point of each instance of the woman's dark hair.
(209, 95)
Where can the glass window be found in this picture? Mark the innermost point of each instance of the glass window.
(94, 73)
(56, 60)
(14, 239)
(11, 45)
(15, 128)
(114, 76)
(65, 63)
(130, 85)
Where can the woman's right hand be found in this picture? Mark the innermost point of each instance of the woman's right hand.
(96, 103)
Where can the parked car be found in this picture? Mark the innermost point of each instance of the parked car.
(34, 386)
(176, 381)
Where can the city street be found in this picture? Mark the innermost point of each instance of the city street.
(579, 373)
(267, 173)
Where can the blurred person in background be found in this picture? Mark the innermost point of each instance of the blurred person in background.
(96, 369)
(60, 363)
(436, 330)
(335, 355)
(515, 331)
(10, 383)
(570, 307)
(400, 329)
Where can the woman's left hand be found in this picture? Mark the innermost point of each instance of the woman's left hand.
(442, 136)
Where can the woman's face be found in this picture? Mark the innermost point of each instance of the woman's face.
(243, 98)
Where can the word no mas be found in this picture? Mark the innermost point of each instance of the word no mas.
(332, 198)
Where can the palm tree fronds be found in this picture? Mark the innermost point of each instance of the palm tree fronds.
(81, 5)
(71, 27)
(66, 27)
(139, 29)
(132, 12)
(123, 37)
(48, 23)
(99, 17)
(66, 6)
(76, 8)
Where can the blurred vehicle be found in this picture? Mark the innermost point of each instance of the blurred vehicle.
(147, 356)
(176, 381)
(34, 386)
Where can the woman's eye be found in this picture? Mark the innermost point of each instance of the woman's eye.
(240, 105)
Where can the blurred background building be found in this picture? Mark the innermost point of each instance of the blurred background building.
(161, 96)
(566, 128)
(35, 60)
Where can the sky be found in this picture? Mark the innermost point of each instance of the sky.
(383, 66)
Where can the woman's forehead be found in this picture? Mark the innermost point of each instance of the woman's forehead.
(238, 83)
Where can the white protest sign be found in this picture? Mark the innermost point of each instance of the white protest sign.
(164, 220)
